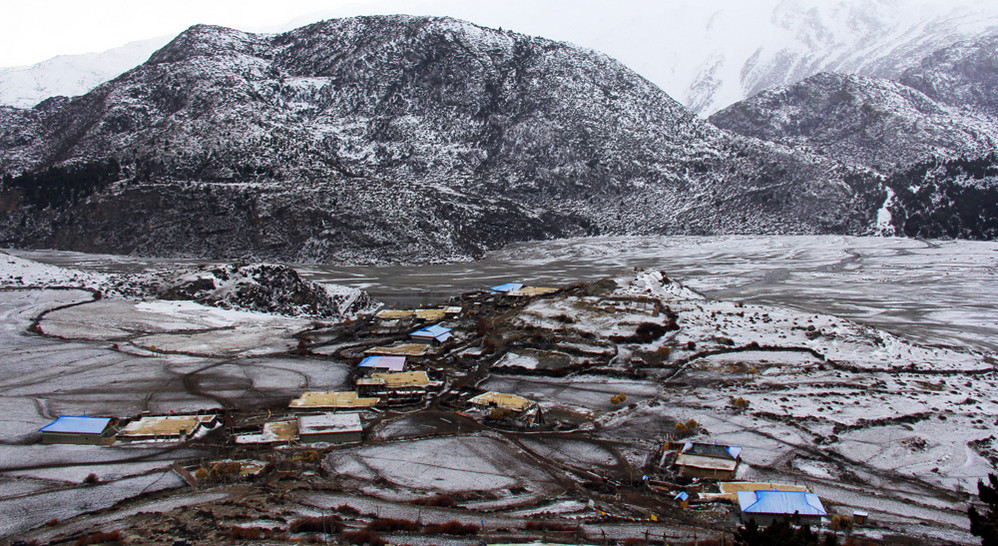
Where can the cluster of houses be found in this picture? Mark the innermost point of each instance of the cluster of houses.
(107, 431)
(394, 375)
(711, 464)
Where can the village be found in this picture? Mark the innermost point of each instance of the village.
(629, 410)
(432, 360)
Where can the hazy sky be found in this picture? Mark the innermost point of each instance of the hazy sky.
(35, 30)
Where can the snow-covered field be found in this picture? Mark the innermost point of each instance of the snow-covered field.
(869, 419)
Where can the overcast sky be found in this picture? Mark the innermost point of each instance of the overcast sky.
(35, 30)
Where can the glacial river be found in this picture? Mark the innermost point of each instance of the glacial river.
(933, 291)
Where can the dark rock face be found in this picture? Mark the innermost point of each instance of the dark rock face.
(957, 198)
(395, 139)
(274, 289)
(874, 123)
(963, 75)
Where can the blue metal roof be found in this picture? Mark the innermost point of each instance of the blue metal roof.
(436, 331)
(780, 502)
(77, 425)
(393, 363)
(508, 287)
(683, 495)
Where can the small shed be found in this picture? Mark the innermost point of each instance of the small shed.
(70, 429)
(383, 363)
(767, 506)
(333, 428)
(435, 333)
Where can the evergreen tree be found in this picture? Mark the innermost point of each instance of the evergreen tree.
(986, 525)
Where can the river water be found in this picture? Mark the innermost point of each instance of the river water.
(943, 292)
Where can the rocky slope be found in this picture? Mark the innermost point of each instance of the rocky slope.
(932, 134)
(875, 123)
(391, 139)
(963, 75)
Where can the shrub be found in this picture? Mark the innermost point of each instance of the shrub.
(99, 537)
(443, 501)
(347, 509)
(739, 402)
(453, 528)
(618, 398)
(362, 536)
(317, 524)
(392, 525)
(548, 526)
(91, 479)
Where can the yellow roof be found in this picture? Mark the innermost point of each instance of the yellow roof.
(528, 291)
(165, 425)
(407, 349)
(430, 315)
(280, 431)
(503, 400)
(346, 399)
(393, 313)
(729, 490)
(395, 380)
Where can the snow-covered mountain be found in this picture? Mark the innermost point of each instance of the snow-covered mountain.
(71, 75)
(876, 123)
(707, 54)
(392, 139)
(933, 133)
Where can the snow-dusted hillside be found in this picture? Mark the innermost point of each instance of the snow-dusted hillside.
(392, 139)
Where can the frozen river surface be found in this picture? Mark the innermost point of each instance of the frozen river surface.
(932, 291)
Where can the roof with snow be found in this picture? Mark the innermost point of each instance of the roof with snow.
(711, 450)
(329, 423)
(436, 332)
(69, 424)
(508, 287)
(780, 502)
(390, 363)
(503, 400)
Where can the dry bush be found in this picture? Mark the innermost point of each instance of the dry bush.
(225, 470)
(362, 536)
(317, 524)
(453, 528)
(392, 525)
(443, 501)
(618, 398)
(100, 537)
(688, 428)
(739, 402)
(201, 474)
(347, 509)
(548, 526)
(52, 522)
(840, 522)
(91, 479)
(251, 533)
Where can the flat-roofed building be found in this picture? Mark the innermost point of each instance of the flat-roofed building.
(766, 506)
(398, 388)
(332, 400)
(333, 428)
(404, 349)
(70, 429)
(382, 363)
(503, 400)
(165, 427)
(715, 461)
